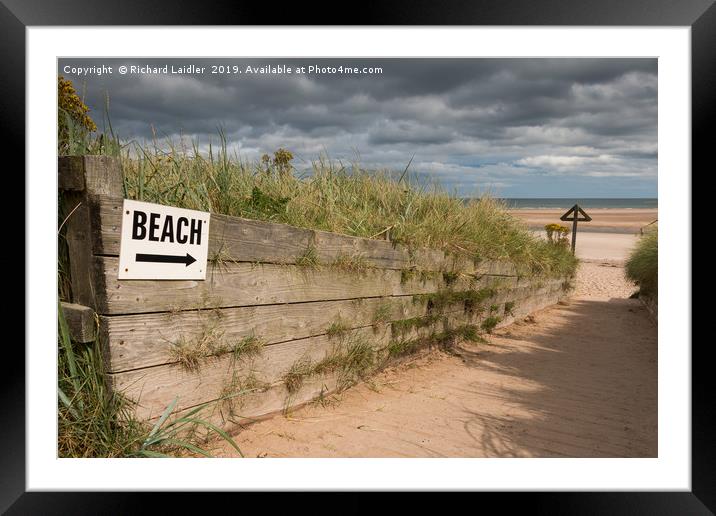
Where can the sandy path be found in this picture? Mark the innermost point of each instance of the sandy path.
(577, 380)
(613, 247)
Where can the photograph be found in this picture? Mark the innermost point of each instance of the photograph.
(374, 257)
(415, 254)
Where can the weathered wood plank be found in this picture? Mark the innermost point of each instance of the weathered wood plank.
(546, 296)
(78, 235)
(145, 340)
(80, 321)
(257, 405)
(96, 175)
(254, 406)
(103, 176)
(245, 284)
(244, 240)
(154, 388)
(85, 178)
(70, 173)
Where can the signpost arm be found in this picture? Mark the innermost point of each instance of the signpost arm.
(82, 180)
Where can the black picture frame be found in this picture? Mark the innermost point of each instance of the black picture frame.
(700, 15)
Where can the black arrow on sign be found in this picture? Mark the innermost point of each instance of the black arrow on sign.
(166, 258)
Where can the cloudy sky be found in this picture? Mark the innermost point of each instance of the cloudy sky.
(512, 127)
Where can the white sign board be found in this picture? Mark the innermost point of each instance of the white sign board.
(163, 242)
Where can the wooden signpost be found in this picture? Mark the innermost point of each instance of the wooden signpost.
(573, 214)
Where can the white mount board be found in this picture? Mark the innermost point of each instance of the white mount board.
(162, 242)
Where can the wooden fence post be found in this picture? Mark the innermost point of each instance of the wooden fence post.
(83, 180)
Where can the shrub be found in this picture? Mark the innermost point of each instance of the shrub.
(72, 117)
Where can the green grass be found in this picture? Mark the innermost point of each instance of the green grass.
(470, 299)
(350, 263)
(332, 197)
(468, 332)
(351, 360)
(450, 277)
(94, 421)
(489, 324)
(405, 326)
(510, 308)
(354, 360)
(402, 347)
(642, 267)
(445, 339)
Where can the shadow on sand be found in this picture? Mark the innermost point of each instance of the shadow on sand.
(580, 383)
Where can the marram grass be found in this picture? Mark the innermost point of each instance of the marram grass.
(333, 197)
(642, 267)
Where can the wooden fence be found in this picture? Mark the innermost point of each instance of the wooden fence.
(263, 331)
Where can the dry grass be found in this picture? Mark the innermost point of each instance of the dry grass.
(332, 197)
(211, 342)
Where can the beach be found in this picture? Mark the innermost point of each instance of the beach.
(609, 236)
(607, 220)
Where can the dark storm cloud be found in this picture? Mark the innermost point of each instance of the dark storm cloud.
(522, 127)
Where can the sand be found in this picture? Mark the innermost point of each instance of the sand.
(605, 247)
(609, 237)
(578, 379)
(603, 220)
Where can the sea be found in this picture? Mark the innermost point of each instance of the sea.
(594, 202)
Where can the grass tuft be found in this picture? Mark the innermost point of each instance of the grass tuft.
(294, 377)
(450, 277)
(489, 324)
(350, 263)
(642, 267)
(510, 308)
(404, 326)
(336, 329)
(309, 258)
(248, 347)
(402, 347)
(470, 299)
(189, 353)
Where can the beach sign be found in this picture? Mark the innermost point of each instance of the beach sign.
(573, 214)
(162, 242)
